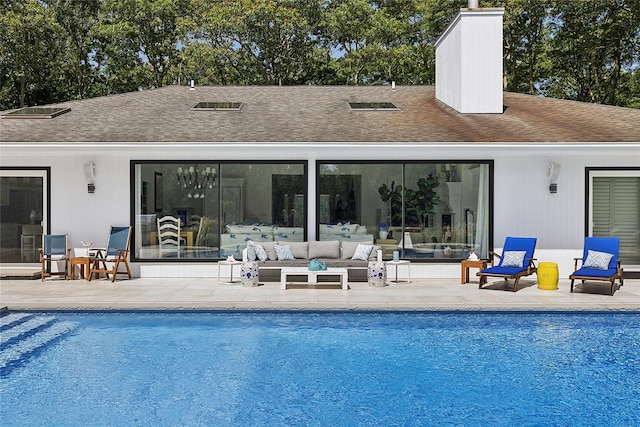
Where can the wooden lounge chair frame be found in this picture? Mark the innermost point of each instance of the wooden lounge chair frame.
(52, 251)
(615, 271)
(113, 253)
(527, 244)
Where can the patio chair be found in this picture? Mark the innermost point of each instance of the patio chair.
(108, 260)
(516, 261)
(54, 248)
(599, 262)
(169, 235)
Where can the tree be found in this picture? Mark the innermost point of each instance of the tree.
(77, 75)
(525, 44)
(593, 43)
(376, 42)
(28, 36)
(265, 41)
(55, 50)
(138, 41)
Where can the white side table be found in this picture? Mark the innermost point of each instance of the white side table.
(231, 265)
(397, 264)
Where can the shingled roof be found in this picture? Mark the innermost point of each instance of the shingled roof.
(308, 114)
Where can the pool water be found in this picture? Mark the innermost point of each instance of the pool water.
(320, 369)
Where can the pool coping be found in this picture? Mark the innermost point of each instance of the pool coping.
(207, 294)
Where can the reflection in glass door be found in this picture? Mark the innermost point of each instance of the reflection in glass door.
(23, 213)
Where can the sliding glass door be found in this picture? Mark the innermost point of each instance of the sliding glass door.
(425, 210)
(24, 213)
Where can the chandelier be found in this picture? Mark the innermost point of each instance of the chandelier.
(193, 179)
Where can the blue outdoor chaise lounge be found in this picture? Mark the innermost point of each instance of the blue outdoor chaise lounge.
(516, 261)
(599, 262)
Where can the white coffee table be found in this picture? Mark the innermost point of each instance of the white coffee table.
(231, 264)
(312, 275)
(397, 264)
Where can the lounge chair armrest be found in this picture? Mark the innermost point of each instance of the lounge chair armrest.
(493, 255)
(575, 263)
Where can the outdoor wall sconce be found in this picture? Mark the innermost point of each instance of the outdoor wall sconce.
(89, 174)
(553, 173)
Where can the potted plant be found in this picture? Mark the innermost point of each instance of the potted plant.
(422, 202)
(392, 195)
(419, 204)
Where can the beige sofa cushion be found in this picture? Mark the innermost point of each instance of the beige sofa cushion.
(324, 249)
(271, 252)
(298, 249)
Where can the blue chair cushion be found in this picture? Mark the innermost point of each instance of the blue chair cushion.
(507, 271)
(595, 272)
(610, 245)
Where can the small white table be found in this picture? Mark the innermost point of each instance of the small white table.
(312, 275)
(231, 264)
(397, 265)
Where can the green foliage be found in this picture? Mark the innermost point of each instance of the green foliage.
(56, 50)
(418, 204)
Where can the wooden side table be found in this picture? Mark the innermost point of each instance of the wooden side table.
(84, 263)
(466, 264)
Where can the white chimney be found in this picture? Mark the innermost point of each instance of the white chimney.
(469, 61)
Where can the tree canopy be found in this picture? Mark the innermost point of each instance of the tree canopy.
(57, 50)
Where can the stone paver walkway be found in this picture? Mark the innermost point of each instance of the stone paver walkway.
(205, 293)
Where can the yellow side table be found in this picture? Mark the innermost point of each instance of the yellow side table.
(547, 276)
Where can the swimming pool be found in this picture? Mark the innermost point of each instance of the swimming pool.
(320, 368)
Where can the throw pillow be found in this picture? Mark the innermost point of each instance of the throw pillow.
(251, 250)
(362, 252)
(261, 254)
(598, 260)
(283, 252)
(513, 259)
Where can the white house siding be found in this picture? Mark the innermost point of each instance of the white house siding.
(469, 57)
(523, 205)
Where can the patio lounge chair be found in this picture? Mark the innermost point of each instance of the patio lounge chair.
(599, 262)
(55, 248)
(116, 253)
(516, 261)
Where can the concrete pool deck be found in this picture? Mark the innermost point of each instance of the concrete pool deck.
(207, 293)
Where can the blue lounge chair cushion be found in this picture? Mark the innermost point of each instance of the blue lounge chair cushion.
(594, 272)
(507, 271)
(597, 260)
(513, 259)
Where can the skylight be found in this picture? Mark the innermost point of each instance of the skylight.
(375, 106)
(216, 106)
(35, 113)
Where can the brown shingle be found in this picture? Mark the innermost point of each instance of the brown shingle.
(300, 114)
